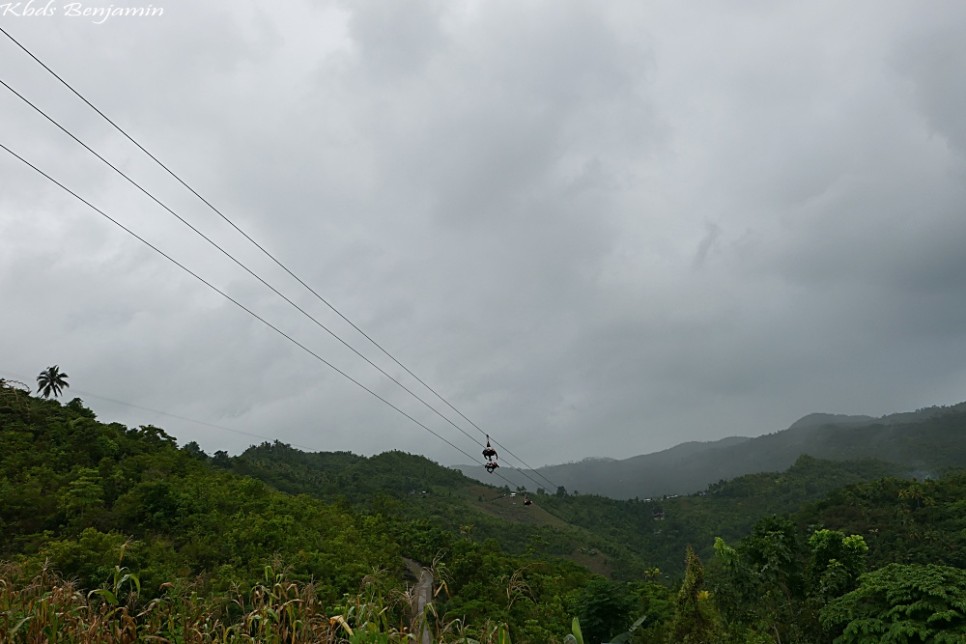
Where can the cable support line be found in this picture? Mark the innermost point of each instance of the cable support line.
(241, 265)
(230, 256)
(272, 257)
(234, 301)
(240, 432)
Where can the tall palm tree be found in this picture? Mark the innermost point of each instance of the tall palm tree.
(50, 381)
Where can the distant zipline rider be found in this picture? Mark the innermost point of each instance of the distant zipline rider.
(491, 456)
(488, 451)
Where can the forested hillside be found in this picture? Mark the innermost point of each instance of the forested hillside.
(659, 529)
(927, 441)
(166, 534)
(626, 537)
(413, 488)
(116, 534)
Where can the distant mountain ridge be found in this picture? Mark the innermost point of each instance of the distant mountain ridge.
(927, 440)
(841, 420)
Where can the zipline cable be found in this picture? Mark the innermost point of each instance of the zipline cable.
(232, 300)
(238, 262)
(270, 255)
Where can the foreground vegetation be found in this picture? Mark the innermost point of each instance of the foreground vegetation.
(48, 608)
(117, 534)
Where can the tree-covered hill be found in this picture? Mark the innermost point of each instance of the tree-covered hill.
(659, 529)
(927, 441)
(879, 561)
(101, 506)
(625, 537)
(406, 486)
(903, 521)
(109, 533)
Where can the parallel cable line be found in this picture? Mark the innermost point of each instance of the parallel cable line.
(275, 260)
(235, 302)
(224, 252)
(238, 262)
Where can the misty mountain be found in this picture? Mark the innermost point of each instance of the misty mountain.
(925, 442)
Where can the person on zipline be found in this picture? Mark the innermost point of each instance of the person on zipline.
(488, 451)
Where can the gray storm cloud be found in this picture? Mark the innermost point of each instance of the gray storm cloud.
(598, 230)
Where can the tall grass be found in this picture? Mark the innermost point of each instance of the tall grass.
(48, 608)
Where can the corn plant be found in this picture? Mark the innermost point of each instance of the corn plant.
(48, 608)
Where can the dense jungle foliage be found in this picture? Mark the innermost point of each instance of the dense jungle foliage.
(115, 534)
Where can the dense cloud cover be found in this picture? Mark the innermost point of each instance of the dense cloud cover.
(599, 229)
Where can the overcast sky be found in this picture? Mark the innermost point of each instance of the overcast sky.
(598, 229)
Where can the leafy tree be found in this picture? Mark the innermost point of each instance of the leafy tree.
(695, 620)
(77, 406)
(194, 450)
(758, 585)
(902, 603)
(83, 495)
(51, 381)
(836, 563)
(221, 459)
(605, 610)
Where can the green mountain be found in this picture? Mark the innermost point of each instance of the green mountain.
(109, 533)
(409, 487)
(618, 538)
(111, 522)
(658, 529)
(926, 442)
